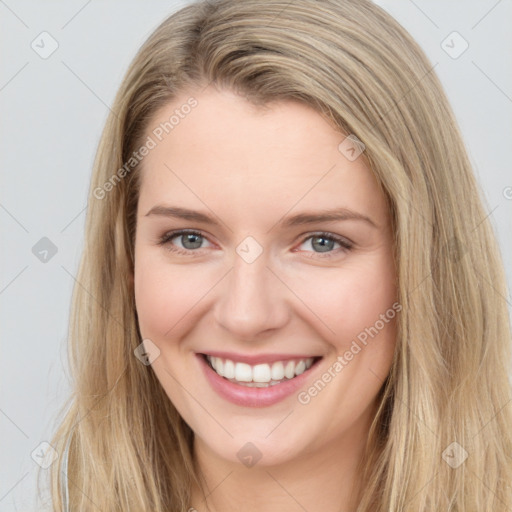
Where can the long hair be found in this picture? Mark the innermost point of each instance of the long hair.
(442, 435)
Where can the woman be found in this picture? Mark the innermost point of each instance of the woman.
(249, 369)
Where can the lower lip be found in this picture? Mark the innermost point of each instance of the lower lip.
(253, 397)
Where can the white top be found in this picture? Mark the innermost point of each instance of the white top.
(64, 488)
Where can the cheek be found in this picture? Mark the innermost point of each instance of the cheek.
(349, 300)
(161, 297)
(169, 297)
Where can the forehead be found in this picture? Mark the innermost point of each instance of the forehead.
(231, 154)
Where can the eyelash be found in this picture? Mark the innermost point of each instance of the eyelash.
(165, 239)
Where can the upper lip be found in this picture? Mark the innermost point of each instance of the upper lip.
(254, 359)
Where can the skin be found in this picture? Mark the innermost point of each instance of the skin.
(250, 167)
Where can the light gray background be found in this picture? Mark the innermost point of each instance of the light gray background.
(52, 113)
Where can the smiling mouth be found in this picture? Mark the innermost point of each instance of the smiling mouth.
(259, 375)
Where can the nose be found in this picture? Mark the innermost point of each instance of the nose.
(252, 299)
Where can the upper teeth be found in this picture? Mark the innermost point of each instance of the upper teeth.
(263, 373)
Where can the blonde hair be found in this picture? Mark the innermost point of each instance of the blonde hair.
(129, 449)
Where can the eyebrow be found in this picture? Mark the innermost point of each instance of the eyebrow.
(300, 219)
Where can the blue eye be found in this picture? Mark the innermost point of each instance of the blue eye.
(324, 243)
(191, 240)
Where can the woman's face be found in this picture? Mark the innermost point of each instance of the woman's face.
(260, 285)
